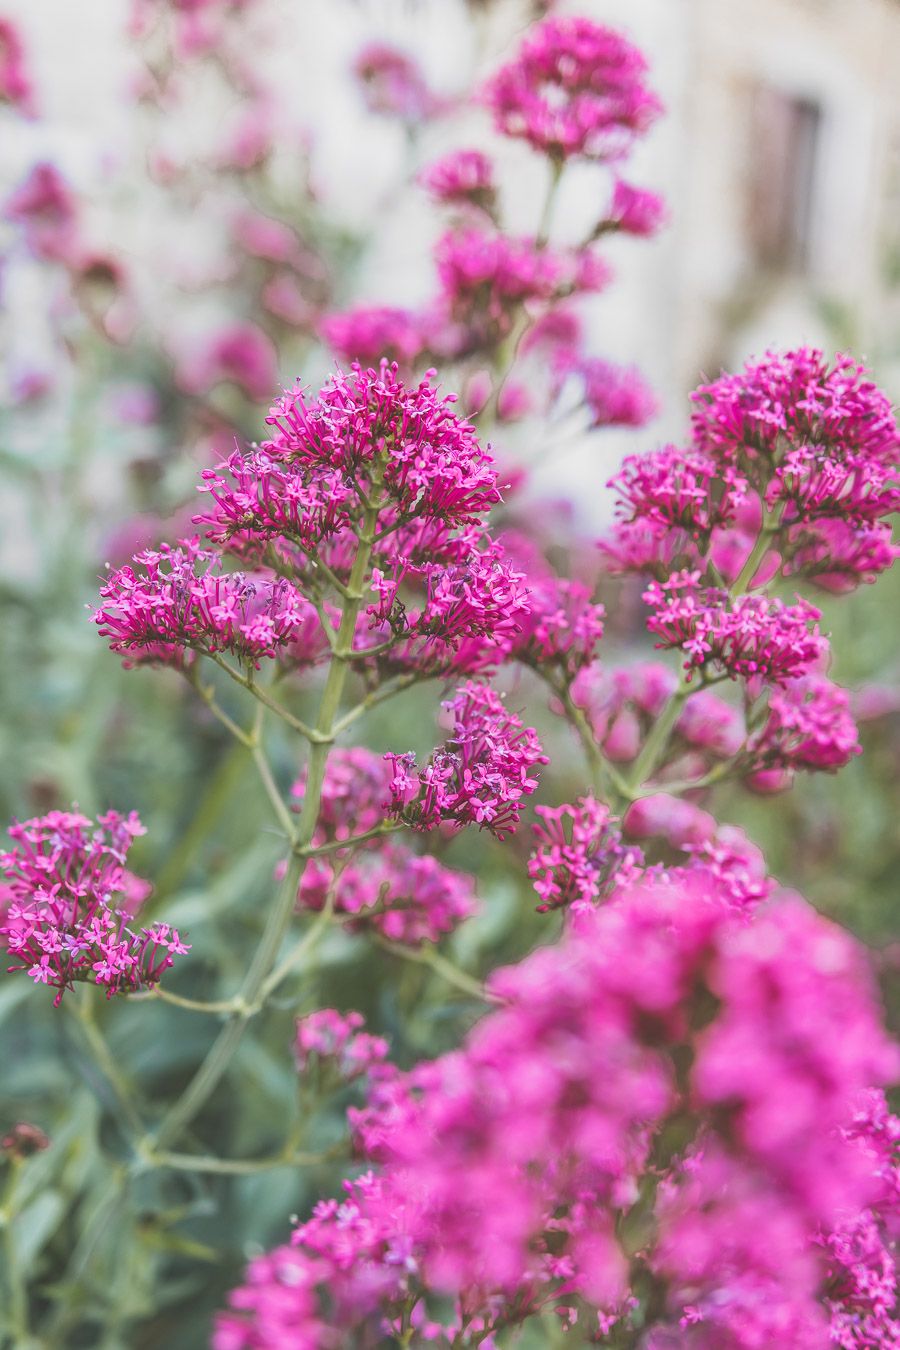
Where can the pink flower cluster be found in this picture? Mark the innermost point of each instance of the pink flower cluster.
(461, 178)
(303, 484)
(749, 636)
(574, 88)
(181, 602)
(333, 1040)
(579, 856)
(615, 396)
(480, 776)
(393, 85)
(642, 1140)
(809, 726)
(15, 84)
(61, 923)
(371, 332)
(403, 896)
(806, 451)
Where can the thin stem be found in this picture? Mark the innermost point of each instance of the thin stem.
(207, 693)
(225, 1005)
(338, 845)
(83, 1010)
(252, 997)
(608, 783)
(202, 1162)
(429, 956)
(372, 700)
(307, 944)
(769, 527)
(279, 806)
(259, 692)
(543, 232)
(18, 1294)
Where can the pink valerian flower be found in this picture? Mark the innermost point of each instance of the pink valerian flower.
(666, 1070)
(62, 923)
(353, 797)
(461, 178)
(723, 854)
(809, 726)
(403, 896)
(579, 855)
(346, 1265)
(485, 275)
(574, 89)
(480, 776)
(181, 602)
(481, 596)
(15, 84)
(336, 1040)
(623, 703)
(615, 396)
(301, 484)
(562, 626)
(393, 85)
(265, 237)
(820, 439)
(749, 637)
(672, 489)
(633, 211)
(46, 210)
(370, 332)
(241, 354)
(838, 554)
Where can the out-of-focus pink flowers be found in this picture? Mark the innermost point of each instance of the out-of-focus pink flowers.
(336, 1040)
(371, 332)
(574, 88)
(240, 354)
(461, 178)
(615, 396)
(44, 206)
(15, 81)
(634, 211)
(393, 85)
(62, 921)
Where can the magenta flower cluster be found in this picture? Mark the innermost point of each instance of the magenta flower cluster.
(69, 903)
(621, 1120)
(574, 89)
(482, 774)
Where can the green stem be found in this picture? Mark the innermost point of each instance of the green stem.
(83, 1010)
(18, 1294)
(543, 232)
(251, 997)
(232, 1167)
(258, 692)
(769, 527)
(429, 956)
(657, 741)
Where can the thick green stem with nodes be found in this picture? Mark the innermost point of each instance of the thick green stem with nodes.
(253, 990)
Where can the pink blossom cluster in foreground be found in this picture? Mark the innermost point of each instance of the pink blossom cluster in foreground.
(633, 1124)
(69, 901)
